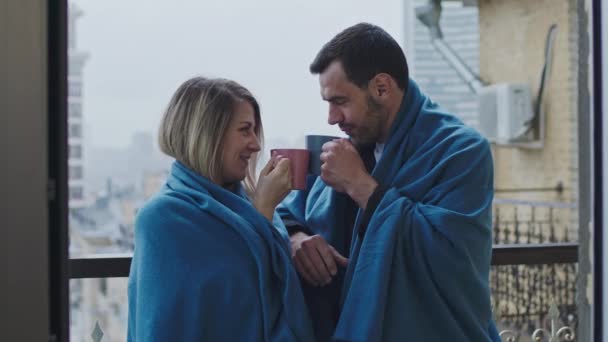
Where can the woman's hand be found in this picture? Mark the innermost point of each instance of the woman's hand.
(273, 185)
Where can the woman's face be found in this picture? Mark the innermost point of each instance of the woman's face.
(240, 142)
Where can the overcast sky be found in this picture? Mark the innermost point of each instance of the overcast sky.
(140, 51)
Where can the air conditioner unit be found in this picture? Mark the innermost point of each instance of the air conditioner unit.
(506, 115)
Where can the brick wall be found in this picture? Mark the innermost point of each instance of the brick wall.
(512, 41)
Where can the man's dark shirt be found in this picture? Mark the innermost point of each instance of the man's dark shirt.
(367, 155)
(324, 329)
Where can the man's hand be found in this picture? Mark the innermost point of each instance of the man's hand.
(344, 171)
(315, 260)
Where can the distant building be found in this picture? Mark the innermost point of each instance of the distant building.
(76, 62)
(124, 166)
(436, 78)
(152, 182)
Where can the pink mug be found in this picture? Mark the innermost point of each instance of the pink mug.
(298, 163)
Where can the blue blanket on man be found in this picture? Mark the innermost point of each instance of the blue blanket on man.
(420, 270)
(209, 267)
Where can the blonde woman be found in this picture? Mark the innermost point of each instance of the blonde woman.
(212, 261)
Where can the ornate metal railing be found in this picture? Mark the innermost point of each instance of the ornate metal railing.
(534, 297)
(533, 276)
(553, 333)
(522, 279)
(527, 222)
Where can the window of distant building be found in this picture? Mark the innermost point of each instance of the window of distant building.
(75, 131)
(75, 151)
(74, 88)
(76, 192)
(75, 109)
(103, 286)
(75, 172)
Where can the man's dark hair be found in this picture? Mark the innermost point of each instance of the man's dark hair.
(364, 50)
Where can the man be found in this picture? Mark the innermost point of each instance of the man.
(408, 198)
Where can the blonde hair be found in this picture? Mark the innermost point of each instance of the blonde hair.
(195, 122)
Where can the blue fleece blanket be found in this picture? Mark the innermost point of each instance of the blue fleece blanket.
(208, 267)
(420, 272)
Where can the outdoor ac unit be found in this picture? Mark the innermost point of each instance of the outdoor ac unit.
(505, 113)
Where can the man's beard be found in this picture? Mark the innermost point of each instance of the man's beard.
(369, 131)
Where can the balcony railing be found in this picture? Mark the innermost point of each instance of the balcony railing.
(533, 275)
(117, 265)
(536, 287)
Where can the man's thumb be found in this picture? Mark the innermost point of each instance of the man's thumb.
(341, 260)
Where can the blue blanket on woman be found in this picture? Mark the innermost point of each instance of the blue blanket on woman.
(420, 270)
(209, 267)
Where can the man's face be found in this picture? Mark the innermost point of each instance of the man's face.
(350, 107)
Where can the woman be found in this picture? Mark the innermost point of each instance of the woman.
(209, 264)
